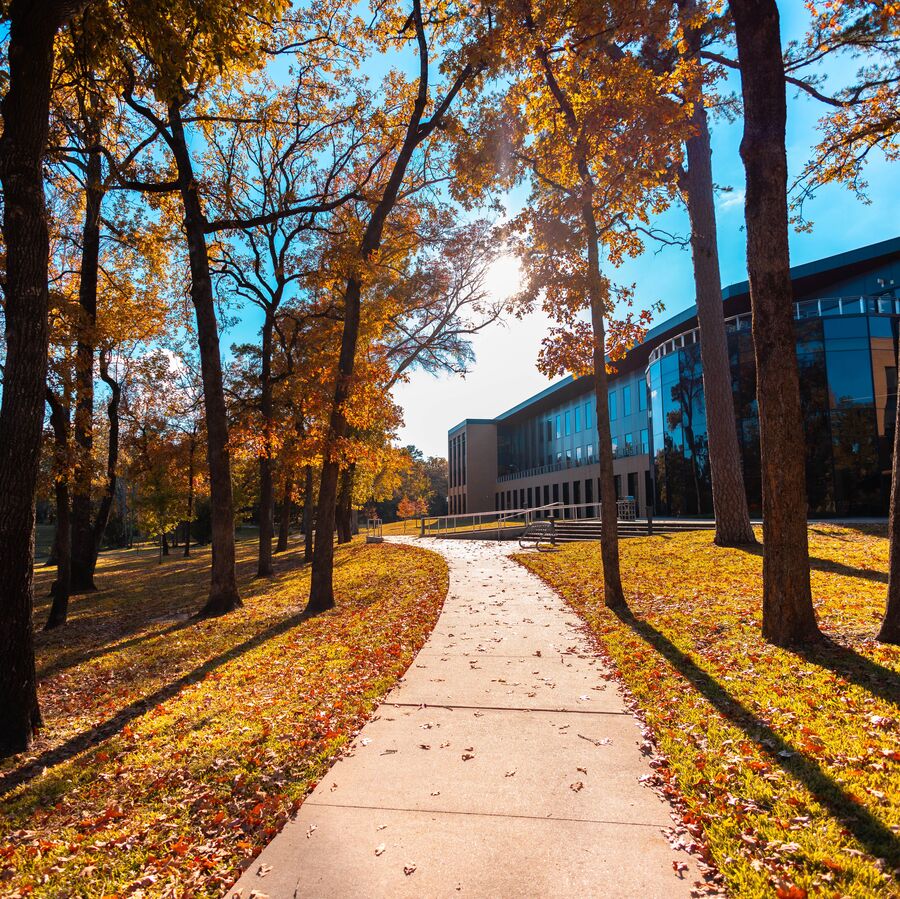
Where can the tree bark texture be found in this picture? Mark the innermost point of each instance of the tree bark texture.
(83, 559)
(309, 502)
(345, 505)
(61, 588)
(613, 594)
(889, 632)
(788, 615)
(192, 448)
(266, 487)
(732, 516)
(223, 591)
(284, 523)
(112, 461)
(25, 110)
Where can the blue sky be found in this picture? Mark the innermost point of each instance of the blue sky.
(504, 372)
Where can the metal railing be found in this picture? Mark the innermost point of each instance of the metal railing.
(512, 519)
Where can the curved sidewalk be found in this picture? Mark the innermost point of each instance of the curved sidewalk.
(504, 764)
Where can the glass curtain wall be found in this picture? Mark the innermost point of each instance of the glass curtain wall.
(848, 385)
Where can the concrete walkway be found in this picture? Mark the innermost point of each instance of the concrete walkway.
(504, 764)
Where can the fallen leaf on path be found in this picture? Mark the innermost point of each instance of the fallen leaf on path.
(408, 869)
(379, 849)
(310, 830)
(576, 787)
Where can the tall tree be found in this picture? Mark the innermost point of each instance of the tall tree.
(788, 614)
(25, 109)
(416, 130)
(696, 181)
(594, 130)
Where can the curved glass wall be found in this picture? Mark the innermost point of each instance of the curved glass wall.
(848, 386)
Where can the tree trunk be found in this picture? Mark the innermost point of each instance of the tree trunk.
(284, 524)
(733, 526)
(112, 461)
(192, 448)
(321, 590)
(890, 624)
(165, 544)
(223, 592)
(83, 557)
(613, 594)
(308, 505)
(266, 488)
(345, 506)
(61, 589)
(25, 111)
(788, 615)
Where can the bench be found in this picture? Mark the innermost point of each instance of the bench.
(540, 533)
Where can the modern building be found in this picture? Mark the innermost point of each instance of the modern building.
(846, 314)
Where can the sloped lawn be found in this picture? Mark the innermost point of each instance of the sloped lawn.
(788, 762)
(175, 749)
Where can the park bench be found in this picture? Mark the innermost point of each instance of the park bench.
(541, 533)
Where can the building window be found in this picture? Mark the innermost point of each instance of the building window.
(612, 405)
(566, 494)
(590, 453)
(530, 503)
(568, 457)
(576, 493)
(577, 419)
(626, 400)
(549, 430)
(568, 423)
(645, 441)
(642, 396)
(587, 415)
(578, 455)
(556, 493)
(546, 494)
(558, 430)
(629, 444)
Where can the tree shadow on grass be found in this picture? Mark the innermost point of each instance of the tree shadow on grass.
(139, 707)
(829, 566)
(871, 833)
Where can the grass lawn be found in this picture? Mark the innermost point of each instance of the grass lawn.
(788, 762)
(174, 749)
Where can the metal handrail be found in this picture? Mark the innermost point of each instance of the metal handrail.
(626, 509)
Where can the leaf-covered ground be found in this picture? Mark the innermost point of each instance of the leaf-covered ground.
(789, 763)
(211, 732)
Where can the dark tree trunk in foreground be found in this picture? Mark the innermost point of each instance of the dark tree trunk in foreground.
(284, 523)
(788, 615)
(223, 592)
(164, 544)
(890, 624)
(25, 109)
(61, 589)
(729, 495)
(309, 500)
(83, 558)
(345, 506)
(266, 487)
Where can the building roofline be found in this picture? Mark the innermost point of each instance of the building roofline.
(867, 253)
(848, 258)
(470, 421)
